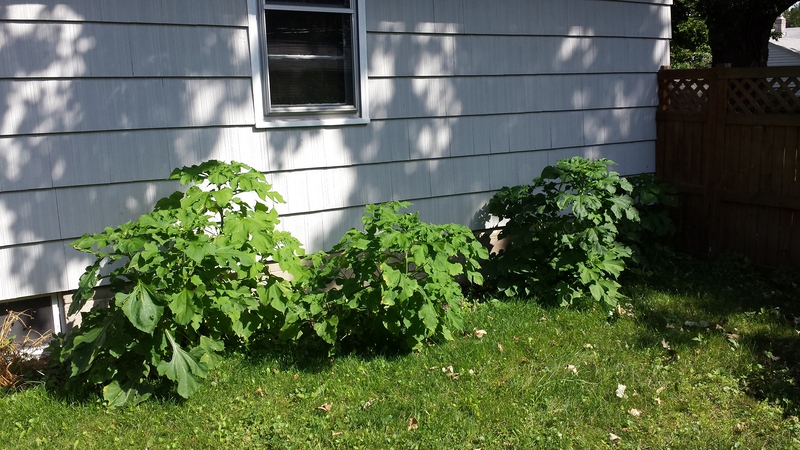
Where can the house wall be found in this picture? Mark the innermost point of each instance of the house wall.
(101, 100)
(781, 57)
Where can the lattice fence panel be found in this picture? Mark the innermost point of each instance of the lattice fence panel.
(776, 95)
(684, 95)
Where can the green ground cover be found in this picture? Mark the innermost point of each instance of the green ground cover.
(698, 356)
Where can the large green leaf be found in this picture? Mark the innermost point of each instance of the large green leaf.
(139, 308)
(117, 395)
(183, 369)
(428, 316)
(182, 307)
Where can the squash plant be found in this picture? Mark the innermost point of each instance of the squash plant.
(188, 278)
(392, 283)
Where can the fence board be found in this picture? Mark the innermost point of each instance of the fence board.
(729, 141)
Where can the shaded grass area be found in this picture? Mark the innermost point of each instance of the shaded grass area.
(707, 355)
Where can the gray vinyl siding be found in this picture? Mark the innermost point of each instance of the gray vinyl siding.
(779, 56)
(100, 100)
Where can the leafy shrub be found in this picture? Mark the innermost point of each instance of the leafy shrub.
(393, 282)
(563, 233)
(647, 237)
(187, 277)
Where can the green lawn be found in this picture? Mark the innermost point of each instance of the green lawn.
(707, 356)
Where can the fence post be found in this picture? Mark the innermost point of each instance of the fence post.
(718, 107)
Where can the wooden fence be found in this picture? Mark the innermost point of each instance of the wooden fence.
(728, 140)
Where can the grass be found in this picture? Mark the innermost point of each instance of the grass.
(539, 378)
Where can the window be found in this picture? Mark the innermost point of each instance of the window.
(41, 315)
(309, 63)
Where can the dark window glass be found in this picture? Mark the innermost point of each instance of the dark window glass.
(308, 34)
(309, 82)
(310, 58)
(41, 320)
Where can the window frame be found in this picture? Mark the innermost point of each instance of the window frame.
(313, 116)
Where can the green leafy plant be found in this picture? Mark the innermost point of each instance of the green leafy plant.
(563, 233)
(187, 278)
(648, 236)
(394, 282)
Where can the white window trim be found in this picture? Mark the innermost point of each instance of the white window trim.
(256, 32)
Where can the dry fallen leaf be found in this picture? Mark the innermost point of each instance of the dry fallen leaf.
(588, 346)
(326, 407)
(572, 368)
(367, 404)
(660, 390)
(658, 400)
(621, 390)
(260, 391)
(500, 346)
(338, 433)
(412, 424)
(665, 344)
(479, 333)
(295, 376)
(613, 437)
(635, 412)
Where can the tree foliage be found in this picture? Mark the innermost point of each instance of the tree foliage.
(792, 16)
(737, 31)
(689, 47)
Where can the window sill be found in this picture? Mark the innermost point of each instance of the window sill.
(316, 122)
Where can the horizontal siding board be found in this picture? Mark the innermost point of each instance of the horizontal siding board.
(81, 159)
(410, 180)
(194, 145)
(24, 163)
(515, 168)
(406, 16)
(28, 270)
(459, 175)
(524, 17)
(429, 138)
(28, 216)
(437, 97)
(529, 132)
(189, 12)
(111, 104)
(448, 16)
(90, 209)
(61, 50)
(631, 158)
(462, 209)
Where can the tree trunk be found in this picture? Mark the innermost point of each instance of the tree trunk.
(739, 30)
(745, 44)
